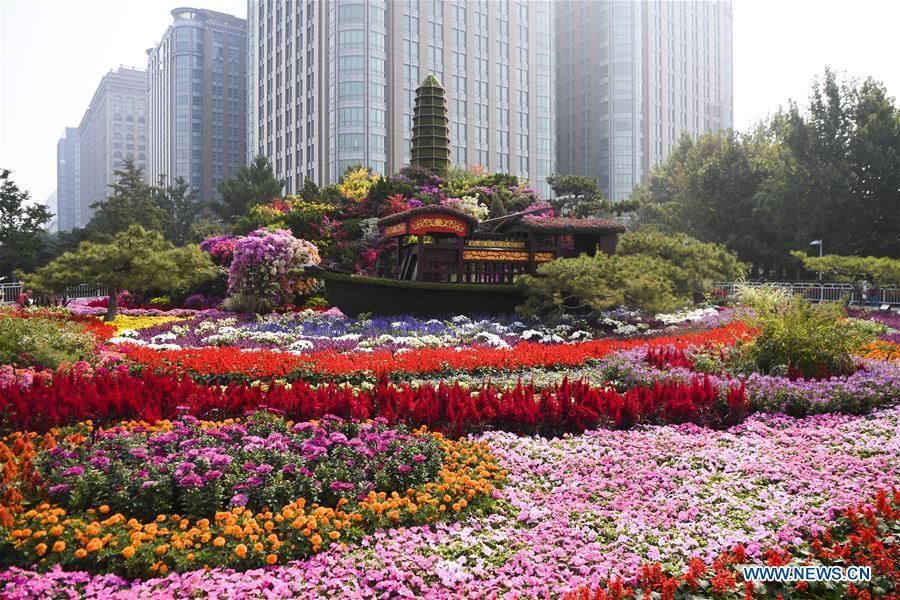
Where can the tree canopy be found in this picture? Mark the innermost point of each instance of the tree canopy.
(652, 272)
(135, 259)
(251, 185)
(132, 202)
(831, 171)
(21, 227)
(580, 196)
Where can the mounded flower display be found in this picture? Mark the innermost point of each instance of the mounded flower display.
(308, 454)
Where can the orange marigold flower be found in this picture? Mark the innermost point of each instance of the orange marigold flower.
(80, 553)
(219, 542)
(271, 559)
(128, 551)
(241, 550)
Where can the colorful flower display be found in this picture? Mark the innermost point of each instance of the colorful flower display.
(218, 454)
(264, 261)
(574, 512)
(357, 476)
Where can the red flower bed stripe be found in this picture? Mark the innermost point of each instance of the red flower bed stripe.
(267, 363)
(566, 407)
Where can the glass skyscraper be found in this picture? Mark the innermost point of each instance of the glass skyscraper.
(332, 83)
(197, 84)
(68, 208)
(632, 77)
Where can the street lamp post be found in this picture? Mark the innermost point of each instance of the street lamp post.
(819, 244)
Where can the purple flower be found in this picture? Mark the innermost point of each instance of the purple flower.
(59, 489)
(191, 480)
(239, 500)
(404, 468)
(419, 458)
(73, 471)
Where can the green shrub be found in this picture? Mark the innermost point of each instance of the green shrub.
(652, 272)
(39, 342)
(799, 337)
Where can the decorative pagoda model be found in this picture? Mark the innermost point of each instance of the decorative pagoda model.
(449, 262)
(439, 244)
(431, 127)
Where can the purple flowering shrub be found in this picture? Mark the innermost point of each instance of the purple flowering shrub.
(195, 468)
(264, 269)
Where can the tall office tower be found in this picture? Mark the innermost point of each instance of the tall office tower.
(632, 77)
(68, 181)
(333, 83)
(114, 128)
(50, 202)
(198, 92)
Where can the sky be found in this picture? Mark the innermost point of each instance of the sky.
(53, 54)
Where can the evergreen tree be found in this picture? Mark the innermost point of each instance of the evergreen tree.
(251, 185)
(21, 227)
(132, 202)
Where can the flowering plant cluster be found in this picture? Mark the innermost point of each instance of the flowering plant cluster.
(266, 263)
(220, 248)
(229, 363)
(565, 407)
(460, 480)
(469, 205)
(573, 513)
(195, 468)
(862, 536)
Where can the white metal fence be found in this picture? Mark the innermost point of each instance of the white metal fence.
(10, 291)
(825, 292)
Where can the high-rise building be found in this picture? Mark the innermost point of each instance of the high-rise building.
(333, 83)
(68, 209)
(632, 77)
(50, 202)
(114, 128)
(198, 92)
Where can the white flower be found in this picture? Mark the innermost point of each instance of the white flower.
(163, 337)
(301, 345)
(489, 339)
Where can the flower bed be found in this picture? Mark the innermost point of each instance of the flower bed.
(315, 331)
(523, 408)
(579, 510)
(363, 475)
(230, 363)
(193, 468)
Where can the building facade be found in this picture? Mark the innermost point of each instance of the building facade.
(632, 77)
(114, 128)
(67, 201)
(197, 78)
(332, 84)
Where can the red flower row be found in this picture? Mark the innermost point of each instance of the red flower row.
(566, 407)
(218, 362)
(863, 536)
